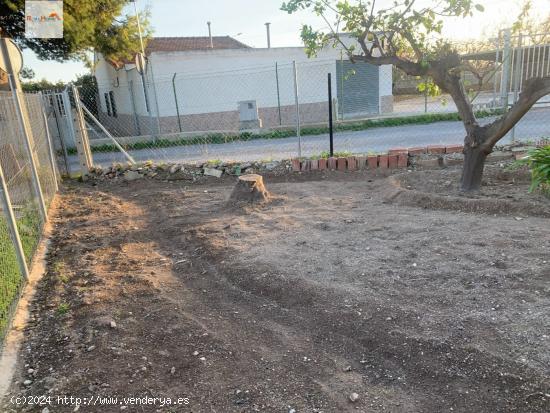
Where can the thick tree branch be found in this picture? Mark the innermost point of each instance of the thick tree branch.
(411, 68)
(535, 89)
(451, 83)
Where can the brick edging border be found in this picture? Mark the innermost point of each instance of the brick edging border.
(394, 159)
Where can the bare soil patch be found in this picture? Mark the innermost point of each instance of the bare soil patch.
(159, 289)
(504, 191)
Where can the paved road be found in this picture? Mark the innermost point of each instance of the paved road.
(535, 124)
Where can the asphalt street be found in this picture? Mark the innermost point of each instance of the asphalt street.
(535, 124)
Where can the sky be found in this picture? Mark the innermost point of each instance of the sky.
(245, 19)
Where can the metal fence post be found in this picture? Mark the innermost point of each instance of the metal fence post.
(133, 101)
(145, 85)
(61, 128)
(50, 144)
(26, 131)
(159, 131)
(297, 101)
(330, 120)
(82, 142)
(176, 101)
(12, 225)
(278, 92)
(342, 78)
(22, 116)
(425, 95)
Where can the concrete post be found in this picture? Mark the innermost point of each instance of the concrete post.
(518, 73)
(506, 66)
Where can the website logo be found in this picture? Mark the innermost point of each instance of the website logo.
(44, 19)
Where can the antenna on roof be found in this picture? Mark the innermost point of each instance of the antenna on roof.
(210, 34)
(268, 35)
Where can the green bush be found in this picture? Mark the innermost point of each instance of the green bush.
(538, 161)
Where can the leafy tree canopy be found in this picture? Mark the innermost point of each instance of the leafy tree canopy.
(408, 35)
(88, 25)
(405, 32)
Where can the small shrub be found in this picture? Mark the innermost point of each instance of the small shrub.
(538, 161)
(63, 309)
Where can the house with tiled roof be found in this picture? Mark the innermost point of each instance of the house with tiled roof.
(218, 83)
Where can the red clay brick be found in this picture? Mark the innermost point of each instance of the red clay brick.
(296, 165)
(398, 151)
(361, 162)
(305, 165)
(372, 161)
(314, 164)
(392, 161)
(402, 161)
(332, 164)
(435, 149)
(383, 161)
(454, 149)
(341, 164)
(322, 164)
(352, 163)
(417, 150)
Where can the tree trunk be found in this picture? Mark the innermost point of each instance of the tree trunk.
(474, 162)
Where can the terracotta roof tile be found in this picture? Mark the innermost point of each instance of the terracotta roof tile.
(183, 44)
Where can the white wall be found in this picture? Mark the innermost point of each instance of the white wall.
(216, 80)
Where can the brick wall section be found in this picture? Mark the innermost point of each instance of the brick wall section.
(395, 158)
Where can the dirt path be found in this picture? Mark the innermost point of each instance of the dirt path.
(157, 289)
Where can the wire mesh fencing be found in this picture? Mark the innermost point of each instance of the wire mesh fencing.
(281, 110)
(20, 198)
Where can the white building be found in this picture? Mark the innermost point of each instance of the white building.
(220, 84)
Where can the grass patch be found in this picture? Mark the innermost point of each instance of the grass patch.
(11, 279)
(220, 138)
(63, 309)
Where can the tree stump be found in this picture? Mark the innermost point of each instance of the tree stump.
(250, 189)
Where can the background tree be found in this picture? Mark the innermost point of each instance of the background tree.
(483, 71)
(407, 35)
(41, 85)
(88, 25)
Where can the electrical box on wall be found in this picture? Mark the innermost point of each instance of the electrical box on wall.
(248, 115)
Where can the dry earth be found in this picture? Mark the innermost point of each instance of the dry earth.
(341, 286)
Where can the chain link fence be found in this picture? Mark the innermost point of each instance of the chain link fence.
(281, 111)
(20, 197)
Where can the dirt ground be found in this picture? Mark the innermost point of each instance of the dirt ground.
(340, 286)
